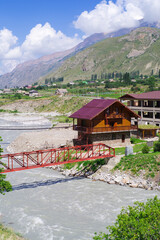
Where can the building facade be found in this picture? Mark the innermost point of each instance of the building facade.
(103, 120)
(146, 105)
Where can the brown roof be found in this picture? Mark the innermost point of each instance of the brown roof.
(95, 107)
(154, 95)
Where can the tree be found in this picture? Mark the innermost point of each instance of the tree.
(151, 83)
(138, 222)
(152, 72)
(107, 84)
(5, 186)
(126, 78)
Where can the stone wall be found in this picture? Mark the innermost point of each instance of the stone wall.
(111, 139)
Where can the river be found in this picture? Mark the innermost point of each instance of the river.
(45, 205)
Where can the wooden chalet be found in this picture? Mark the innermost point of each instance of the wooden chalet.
(103, 120)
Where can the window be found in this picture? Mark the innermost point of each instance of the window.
(117, 110)
(145, 113)
(145, 103)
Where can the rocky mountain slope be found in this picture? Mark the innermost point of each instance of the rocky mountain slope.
(138, 50)
(29, 72)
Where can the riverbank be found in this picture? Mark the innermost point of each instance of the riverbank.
(108, 174)
(9, 234)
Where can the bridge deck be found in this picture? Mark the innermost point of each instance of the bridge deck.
(55, 156)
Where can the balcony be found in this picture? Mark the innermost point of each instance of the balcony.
(115, 115)
(89, 130)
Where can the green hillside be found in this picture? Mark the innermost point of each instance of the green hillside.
(139, 50)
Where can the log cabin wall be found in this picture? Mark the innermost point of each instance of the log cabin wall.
(83, 123)
(115, 115)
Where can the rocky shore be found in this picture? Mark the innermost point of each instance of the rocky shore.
(106, 174)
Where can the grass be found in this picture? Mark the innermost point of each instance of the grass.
(136, 148)
(120, 151)
(149, 126)
(86, 166)
(9, 234)
(136, 163)
(63, 104)
(136, 140)
(63, 119)
(8, 111)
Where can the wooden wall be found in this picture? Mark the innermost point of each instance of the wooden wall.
(105, 119)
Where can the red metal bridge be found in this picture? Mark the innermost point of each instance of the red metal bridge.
(56, 156)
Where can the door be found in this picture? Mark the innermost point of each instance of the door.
(123, 138)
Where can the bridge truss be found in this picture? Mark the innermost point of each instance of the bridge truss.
(56, 156)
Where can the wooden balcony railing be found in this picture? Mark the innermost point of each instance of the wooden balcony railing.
(104, 129)
(115, 115)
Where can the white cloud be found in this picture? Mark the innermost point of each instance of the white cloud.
(150, 9)
(7, 40)
(109, 17)
(42, 40)
(106, 17)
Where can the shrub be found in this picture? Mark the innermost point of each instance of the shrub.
(132, 140)
(138, 222)
(5, 186)
(145, 149)
(156, 146)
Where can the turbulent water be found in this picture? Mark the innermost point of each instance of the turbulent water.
(46, 205)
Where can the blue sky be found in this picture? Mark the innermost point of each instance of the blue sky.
(21, 16)
(30, 29)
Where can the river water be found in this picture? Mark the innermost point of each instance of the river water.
(45, 205)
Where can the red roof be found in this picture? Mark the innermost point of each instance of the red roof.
(95, 107)
(154, 95)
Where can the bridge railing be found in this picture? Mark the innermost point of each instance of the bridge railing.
(56, 156)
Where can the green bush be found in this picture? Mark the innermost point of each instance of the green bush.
(138, 222)
(133, 140)
(145, 149)
(5, 186)
(156, 147)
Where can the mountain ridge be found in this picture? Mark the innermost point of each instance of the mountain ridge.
(31, 71)
(132, 52)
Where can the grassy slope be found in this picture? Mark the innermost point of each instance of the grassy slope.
(8, 234)
(140, 162)
(111, 55)
(64, 104)
(53, 103)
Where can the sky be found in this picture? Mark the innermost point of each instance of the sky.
(30, 29)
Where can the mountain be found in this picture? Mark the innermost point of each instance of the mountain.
(138, 50)
(31, 71)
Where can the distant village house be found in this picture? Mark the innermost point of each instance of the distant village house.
(61, 91)
(7, 91)
(33, 93)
